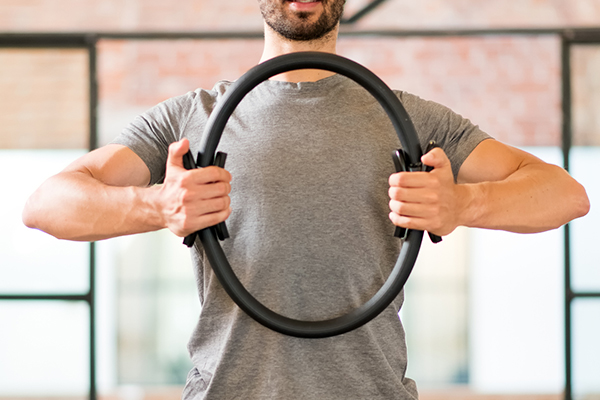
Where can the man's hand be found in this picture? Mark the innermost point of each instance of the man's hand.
(427, 201)
(499, 187)
(191, 200)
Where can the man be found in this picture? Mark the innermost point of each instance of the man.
(310, 225)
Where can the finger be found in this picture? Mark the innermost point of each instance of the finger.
(176, 152)
(202, 221)
(211, 206)
(212, 191)
(212, 219)
(202, 176)
(408, 222)
(193, 211)
(409, 179)
(411, 210)
(412, 195)
(436, 158)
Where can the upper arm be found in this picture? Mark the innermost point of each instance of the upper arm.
(114, 165)
(493, 161)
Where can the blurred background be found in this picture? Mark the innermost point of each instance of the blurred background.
(488, 315)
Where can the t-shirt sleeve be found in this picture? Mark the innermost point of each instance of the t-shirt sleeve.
(456, 135)
(150, 134)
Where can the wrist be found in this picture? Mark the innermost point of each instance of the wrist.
(469, 212)
(154, 215)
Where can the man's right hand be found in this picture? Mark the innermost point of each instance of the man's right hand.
(191, 200)
(105, 194)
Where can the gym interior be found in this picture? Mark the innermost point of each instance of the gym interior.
(488, 314)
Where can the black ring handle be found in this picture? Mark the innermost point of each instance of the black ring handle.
(221, 227)
(399, 156)
(410, 143)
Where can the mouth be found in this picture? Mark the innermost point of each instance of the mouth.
(304, 1)
(304, 5)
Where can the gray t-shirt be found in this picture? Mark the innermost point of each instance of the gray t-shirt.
(310, 234)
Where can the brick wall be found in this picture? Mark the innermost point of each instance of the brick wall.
(507, 85)
(147, 72)
(404, 14)
(85, 15)
(510, 86)
(586, 95)
(44, 98)
(132, 15)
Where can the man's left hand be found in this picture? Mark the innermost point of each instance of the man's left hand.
(427, 201)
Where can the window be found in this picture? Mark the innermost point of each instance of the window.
(44, 126)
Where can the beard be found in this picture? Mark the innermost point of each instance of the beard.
(297, 26)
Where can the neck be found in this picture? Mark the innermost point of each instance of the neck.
(276, 45)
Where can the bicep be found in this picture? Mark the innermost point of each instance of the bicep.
(493, 161)
(114, 165)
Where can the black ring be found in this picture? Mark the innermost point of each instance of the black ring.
(410, 143)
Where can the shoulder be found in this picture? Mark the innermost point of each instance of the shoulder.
(432, 118)
(174, 113)
(435, 118)
(204, 98)
(457, 135)
(189, 101)
(419, 108)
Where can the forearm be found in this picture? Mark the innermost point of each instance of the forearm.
(535, 198)
(75, 206)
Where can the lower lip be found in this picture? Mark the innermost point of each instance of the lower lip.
(297, 6)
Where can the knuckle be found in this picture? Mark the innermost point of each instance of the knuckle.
(224, 188)
(437, 221)
(180, 227)
(172, 149)
(214, 206)
(223, 202)
(184, 226)
(185, 196)
(189, 224)
(181, 180)
(185, 178)
(212, 174)
(400, 178)
(212, 219)
(434, 198)
(204, 174)
(397, 207)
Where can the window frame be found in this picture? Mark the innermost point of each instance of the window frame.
(88, 41)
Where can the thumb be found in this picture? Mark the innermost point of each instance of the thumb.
(436, 158)
(176, 152)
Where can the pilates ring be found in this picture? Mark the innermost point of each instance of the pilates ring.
(410, 143)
